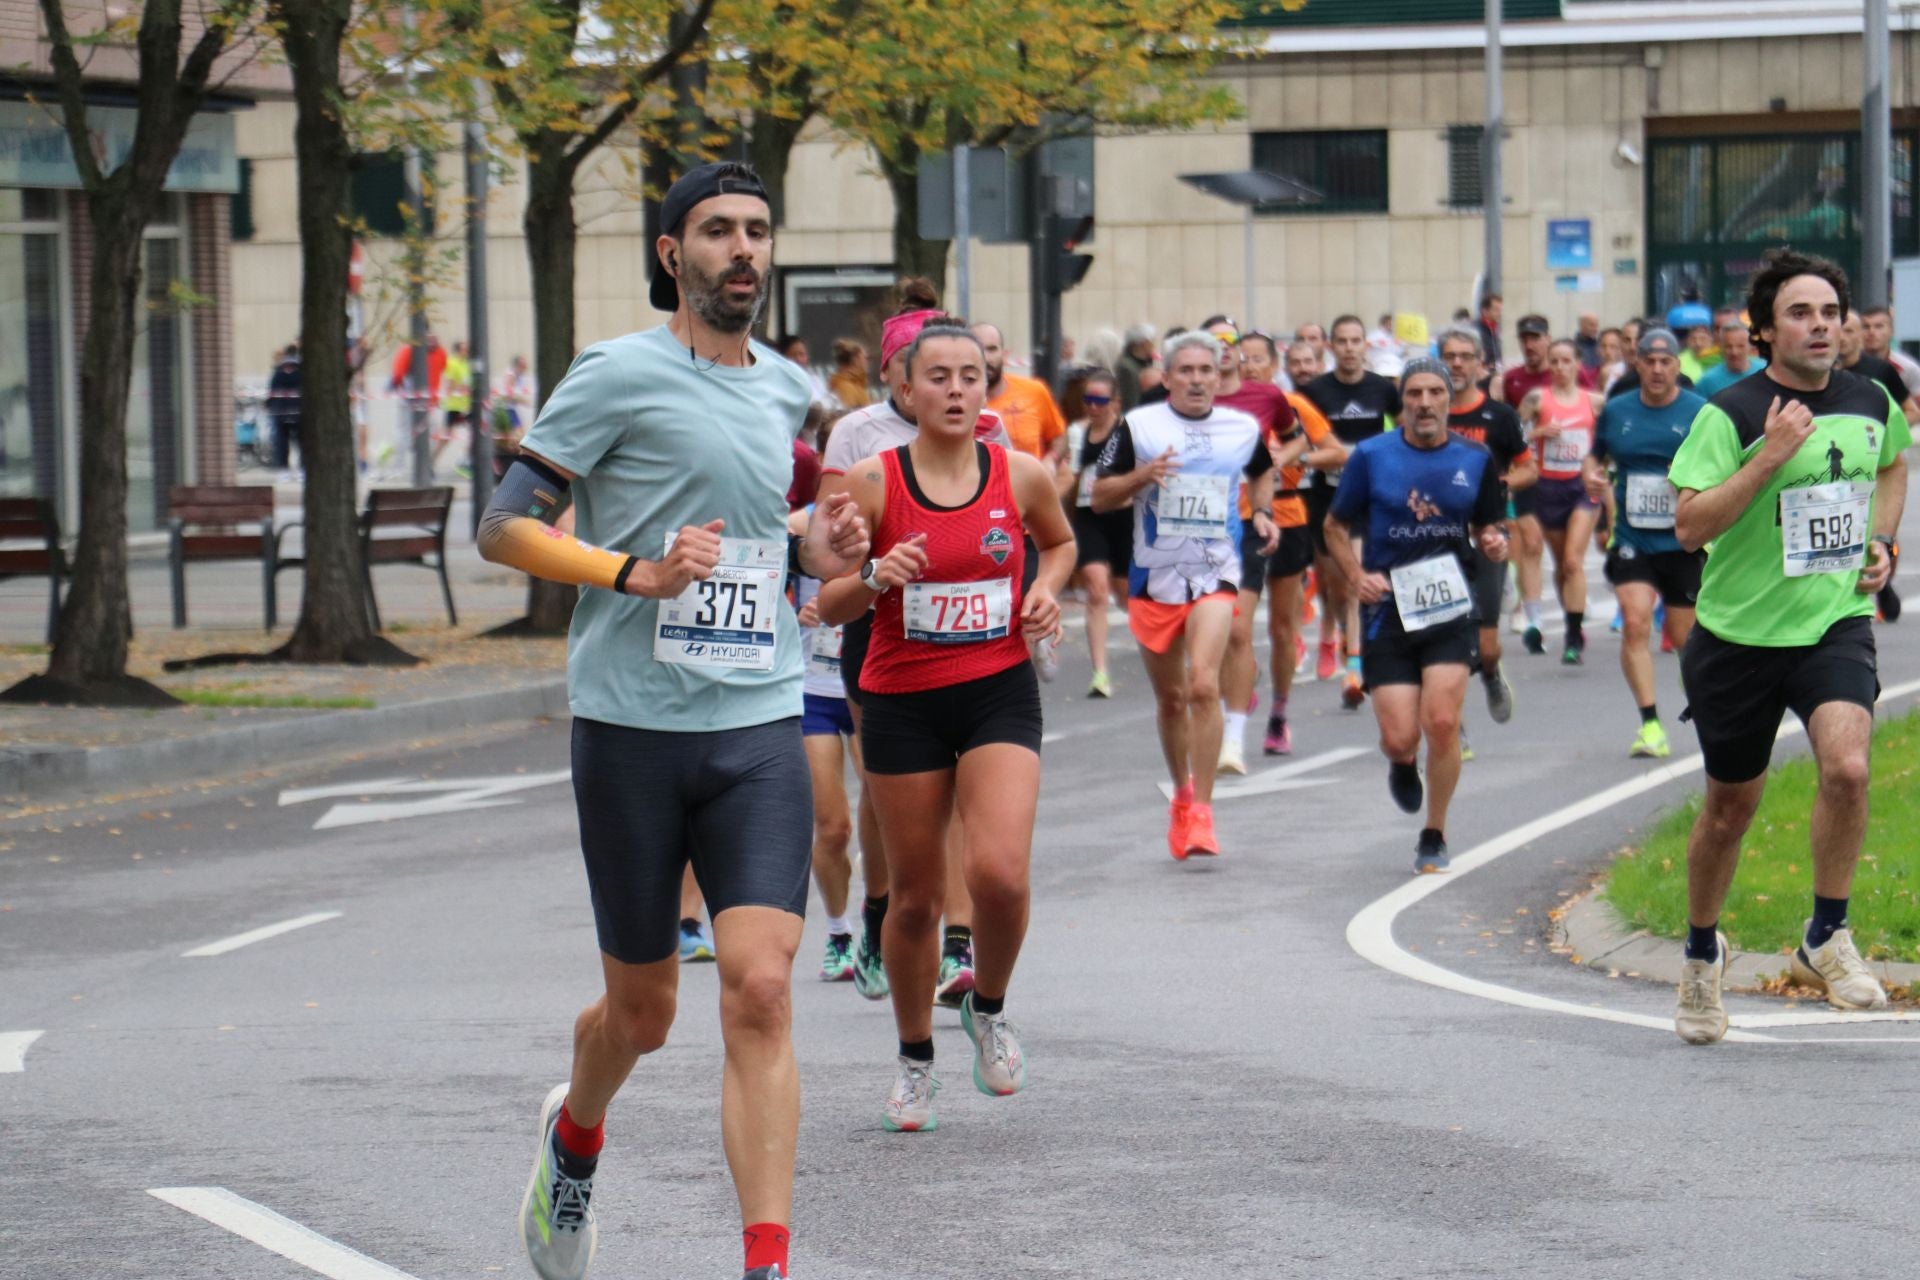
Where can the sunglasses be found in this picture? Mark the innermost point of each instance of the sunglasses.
(1097, 401)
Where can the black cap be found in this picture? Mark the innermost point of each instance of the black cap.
(1534, 324)
(729, 178)
(1658, 342)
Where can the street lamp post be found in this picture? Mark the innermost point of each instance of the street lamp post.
(1249, 188)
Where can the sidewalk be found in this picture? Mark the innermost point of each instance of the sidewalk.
(1594, 935)
(56, 754)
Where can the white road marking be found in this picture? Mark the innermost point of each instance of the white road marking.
(273, 1232)
(261, 934)
(1371, 931)
(1284, 777)
(446, 795)
(13, 1049)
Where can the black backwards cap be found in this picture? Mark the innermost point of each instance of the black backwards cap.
(704, 182)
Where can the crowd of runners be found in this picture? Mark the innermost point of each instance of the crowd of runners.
(743, 651)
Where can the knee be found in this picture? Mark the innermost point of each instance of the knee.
(1203, 689)
(1636, 630)
(1440, 724)
(914, 906)
(1097, 593)
(1844, 776)
(833, 835)
(640, 1028)
(758, 999)
(1399, 742)
(998, 885)
(1726, 818)
(1239, 641)
(1172, 702)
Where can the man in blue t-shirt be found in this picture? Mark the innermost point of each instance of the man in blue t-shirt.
(1420, 497)
(1638, 435)
(1738, 359)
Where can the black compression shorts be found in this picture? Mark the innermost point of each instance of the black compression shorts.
(737, 803)
(1293, 556)
(1736, 693)
(930, 730)
(1674, 574)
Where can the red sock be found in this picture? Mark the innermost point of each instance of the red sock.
(585, 1143)
(766, 1245)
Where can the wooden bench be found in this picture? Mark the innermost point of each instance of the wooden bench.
(203, 525)
(420, 518)
(26, 521)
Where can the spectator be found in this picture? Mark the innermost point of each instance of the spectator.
(794, 348)
(1385, 354)
(512, 412)
(1587, 341)
(1025, 405)
(1140, 354)
(400, 384)
(806, 457)
(849, 383)
(457, 382)
(1613, 359)
(283, 408)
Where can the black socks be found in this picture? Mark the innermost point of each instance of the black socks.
(959, 940)
(690, 924)
(1574, 622)
(1828, 914)
(1649, 714)
(988, 1006)
(874, 913)
(918, 1050)
(1703, 943)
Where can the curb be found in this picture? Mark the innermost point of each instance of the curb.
(1600, 940)
(31, 774)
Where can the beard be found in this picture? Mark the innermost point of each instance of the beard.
(707, 297)
(995, 372)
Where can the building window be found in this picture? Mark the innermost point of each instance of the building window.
(380, 193)
(1348, 166)
(1464, 189)
(240, 205)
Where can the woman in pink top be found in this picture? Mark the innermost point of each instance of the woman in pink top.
(1560, 418)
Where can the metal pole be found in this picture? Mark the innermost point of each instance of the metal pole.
(480, 420)
(417, 408)
(1876, 142)
(1246, 235)
(1490, 190)
(963, 231)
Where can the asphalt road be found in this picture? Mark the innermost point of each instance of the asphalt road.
(1220, 1082)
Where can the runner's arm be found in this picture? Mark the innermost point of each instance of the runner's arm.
(1889, 502)
(845, 599)
(1045, 520)
(1118, 476)
(1701, 515)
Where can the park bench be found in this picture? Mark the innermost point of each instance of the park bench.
(30, 547)
(400, 526)
(204, 525)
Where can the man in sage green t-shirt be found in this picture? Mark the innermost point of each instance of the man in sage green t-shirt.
(1793, 481)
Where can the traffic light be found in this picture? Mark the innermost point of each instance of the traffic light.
(1066, 266)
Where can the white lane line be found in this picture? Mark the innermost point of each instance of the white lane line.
(1284, 777)
(280, 1235)
(1371, 931)
(261, 934)
(13, 1049)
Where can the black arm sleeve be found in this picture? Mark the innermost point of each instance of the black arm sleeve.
(1490, 504)
(1117, 458)
(1261, 462)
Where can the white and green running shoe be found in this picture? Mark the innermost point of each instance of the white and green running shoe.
(999, 1067)
(1652, 743)
(837, 964)
(910, 1105)
(956, 979)
(556, 1217)
(869, 974)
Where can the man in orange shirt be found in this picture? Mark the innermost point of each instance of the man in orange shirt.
(1034, 422)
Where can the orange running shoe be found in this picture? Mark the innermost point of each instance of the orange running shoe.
(1179, 815)
(1329, 661)
(1200, 838)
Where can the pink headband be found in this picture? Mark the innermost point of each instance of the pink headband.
(898, 333)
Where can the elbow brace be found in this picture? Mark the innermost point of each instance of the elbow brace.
(517, 530)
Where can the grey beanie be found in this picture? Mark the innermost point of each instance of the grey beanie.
(1424, 364)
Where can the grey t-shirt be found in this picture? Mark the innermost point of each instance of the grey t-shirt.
(659, 441)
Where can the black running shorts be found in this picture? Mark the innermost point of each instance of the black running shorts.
(1736, 693)
(930, 730)
(1674, 574)
(737, 803)
(1294, 555)
(1393, 656)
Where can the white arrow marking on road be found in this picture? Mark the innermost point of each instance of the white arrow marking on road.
(13, 1049)
(1284, 778)
(261, 934)
(1371, 932)
(447, 795)
(270, 1231)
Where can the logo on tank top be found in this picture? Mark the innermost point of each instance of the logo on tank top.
(996, 543)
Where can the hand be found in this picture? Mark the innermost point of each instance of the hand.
(1493, 544)
(1543, 430)
(1039, 615)
(1163, 468)
(809, 614)
(837, 540)
(695, 552)
(1373, 588)
(905, 562)
(1597, 485)
(1787, 428)
(1878, 570)
(1269, 533)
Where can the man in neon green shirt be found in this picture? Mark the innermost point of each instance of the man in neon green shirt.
(1793, 480)
(456, 398)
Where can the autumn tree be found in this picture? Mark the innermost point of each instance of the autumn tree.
(89, 660)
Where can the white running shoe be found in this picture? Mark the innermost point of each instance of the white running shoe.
(1838, 970)
(1700, 1018)
(910, 1105)
(1233, 757)
(556, 1215)
(999, 1068)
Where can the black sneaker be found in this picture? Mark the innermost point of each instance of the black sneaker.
(1405, 786)
(1533, 641)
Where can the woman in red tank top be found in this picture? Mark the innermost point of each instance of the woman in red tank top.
(950, 723)
(1561, 418)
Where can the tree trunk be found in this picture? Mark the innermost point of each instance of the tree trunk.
(89, 660)
(913, 256)
(770, 142)
(552, 236)
(334, 624)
